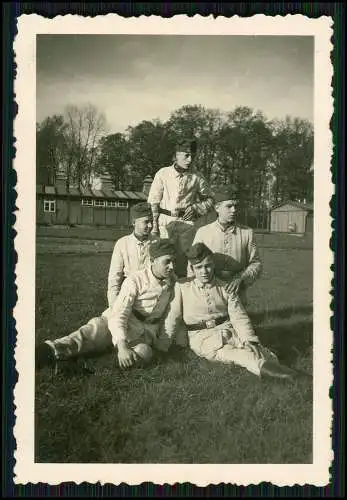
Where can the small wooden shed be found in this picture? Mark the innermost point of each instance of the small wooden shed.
(292, 217)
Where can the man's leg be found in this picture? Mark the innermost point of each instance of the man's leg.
(143, 351)
(185, 237)
(141, 341)
(171, 231)
(268, 366)
(93, 337)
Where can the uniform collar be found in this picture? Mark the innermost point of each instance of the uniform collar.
(230, 229)
(139, 242)
(179, 172)
(162, 282)
(206, 285)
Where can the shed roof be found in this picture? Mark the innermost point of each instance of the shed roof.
(302, 206)
(107, 193)
(49, 190)
(86, 191)
(131, 195)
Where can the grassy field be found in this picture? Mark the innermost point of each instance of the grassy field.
(87, 235)
(184, 409)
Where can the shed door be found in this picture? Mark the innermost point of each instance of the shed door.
(99, 216)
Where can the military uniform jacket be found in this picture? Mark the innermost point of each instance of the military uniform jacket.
(129, 255)
(139, 310)
(194, 302)
(174, 191)
(235, 251)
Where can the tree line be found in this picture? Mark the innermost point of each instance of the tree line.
(267, 160)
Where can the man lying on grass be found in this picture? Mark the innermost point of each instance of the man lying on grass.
(134, 325)
(218, 326)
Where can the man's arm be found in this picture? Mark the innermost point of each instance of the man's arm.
(173, 320)
(254, 267)
(121, 311)
(198, 238)
(118, 322)
(240, 320)
(154, 198)
(116, 274)
(206, 201)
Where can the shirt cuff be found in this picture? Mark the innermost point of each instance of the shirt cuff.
(251, 338)
(117, 331)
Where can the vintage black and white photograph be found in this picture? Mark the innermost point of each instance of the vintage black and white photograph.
(174, 235)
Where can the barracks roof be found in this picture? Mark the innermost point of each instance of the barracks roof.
(78, 192)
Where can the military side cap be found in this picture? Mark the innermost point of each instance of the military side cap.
(161, 247)
(187, 144)
(198, 252)
(141, 210)
(224, 194)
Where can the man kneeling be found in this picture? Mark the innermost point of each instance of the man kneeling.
(218, 326)
(133, 325)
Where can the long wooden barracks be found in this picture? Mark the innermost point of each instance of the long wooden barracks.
(96, 206)
(102, 205)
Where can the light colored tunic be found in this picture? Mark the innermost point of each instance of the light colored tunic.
(173, 190)
(235, 251)
(142, 292)
(129, 255)
(226, 342)
(149, 297)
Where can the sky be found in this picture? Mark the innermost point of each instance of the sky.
(132, 78)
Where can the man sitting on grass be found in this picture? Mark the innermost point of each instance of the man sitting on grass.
(218, 326)
(134, 325)
(131, 252)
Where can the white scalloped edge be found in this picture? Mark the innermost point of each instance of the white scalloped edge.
(25, 470)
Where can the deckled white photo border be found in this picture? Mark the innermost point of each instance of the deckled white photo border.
(26, 470)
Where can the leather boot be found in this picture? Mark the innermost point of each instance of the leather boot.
(271, 369)
(44, 356)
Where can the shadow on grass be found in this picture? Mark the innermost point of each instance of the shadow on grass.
(258, 317)
(286, 247)
(288, 341)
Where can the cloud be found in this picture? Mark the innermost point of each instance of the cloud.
(134, 78)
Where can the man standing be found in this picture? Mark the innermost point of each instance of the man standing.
(131, 252)
(134, 325)
(178, 198)
(218, 326)
(236, 257)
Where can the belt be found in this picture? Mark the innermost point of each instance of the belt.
(177, 213)
(145, 319)
(211, 323)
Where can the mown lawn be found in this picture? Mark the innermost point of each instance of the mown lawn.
(182, 410)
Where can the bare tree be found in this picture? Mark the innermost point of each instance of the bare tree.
(84, 128)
